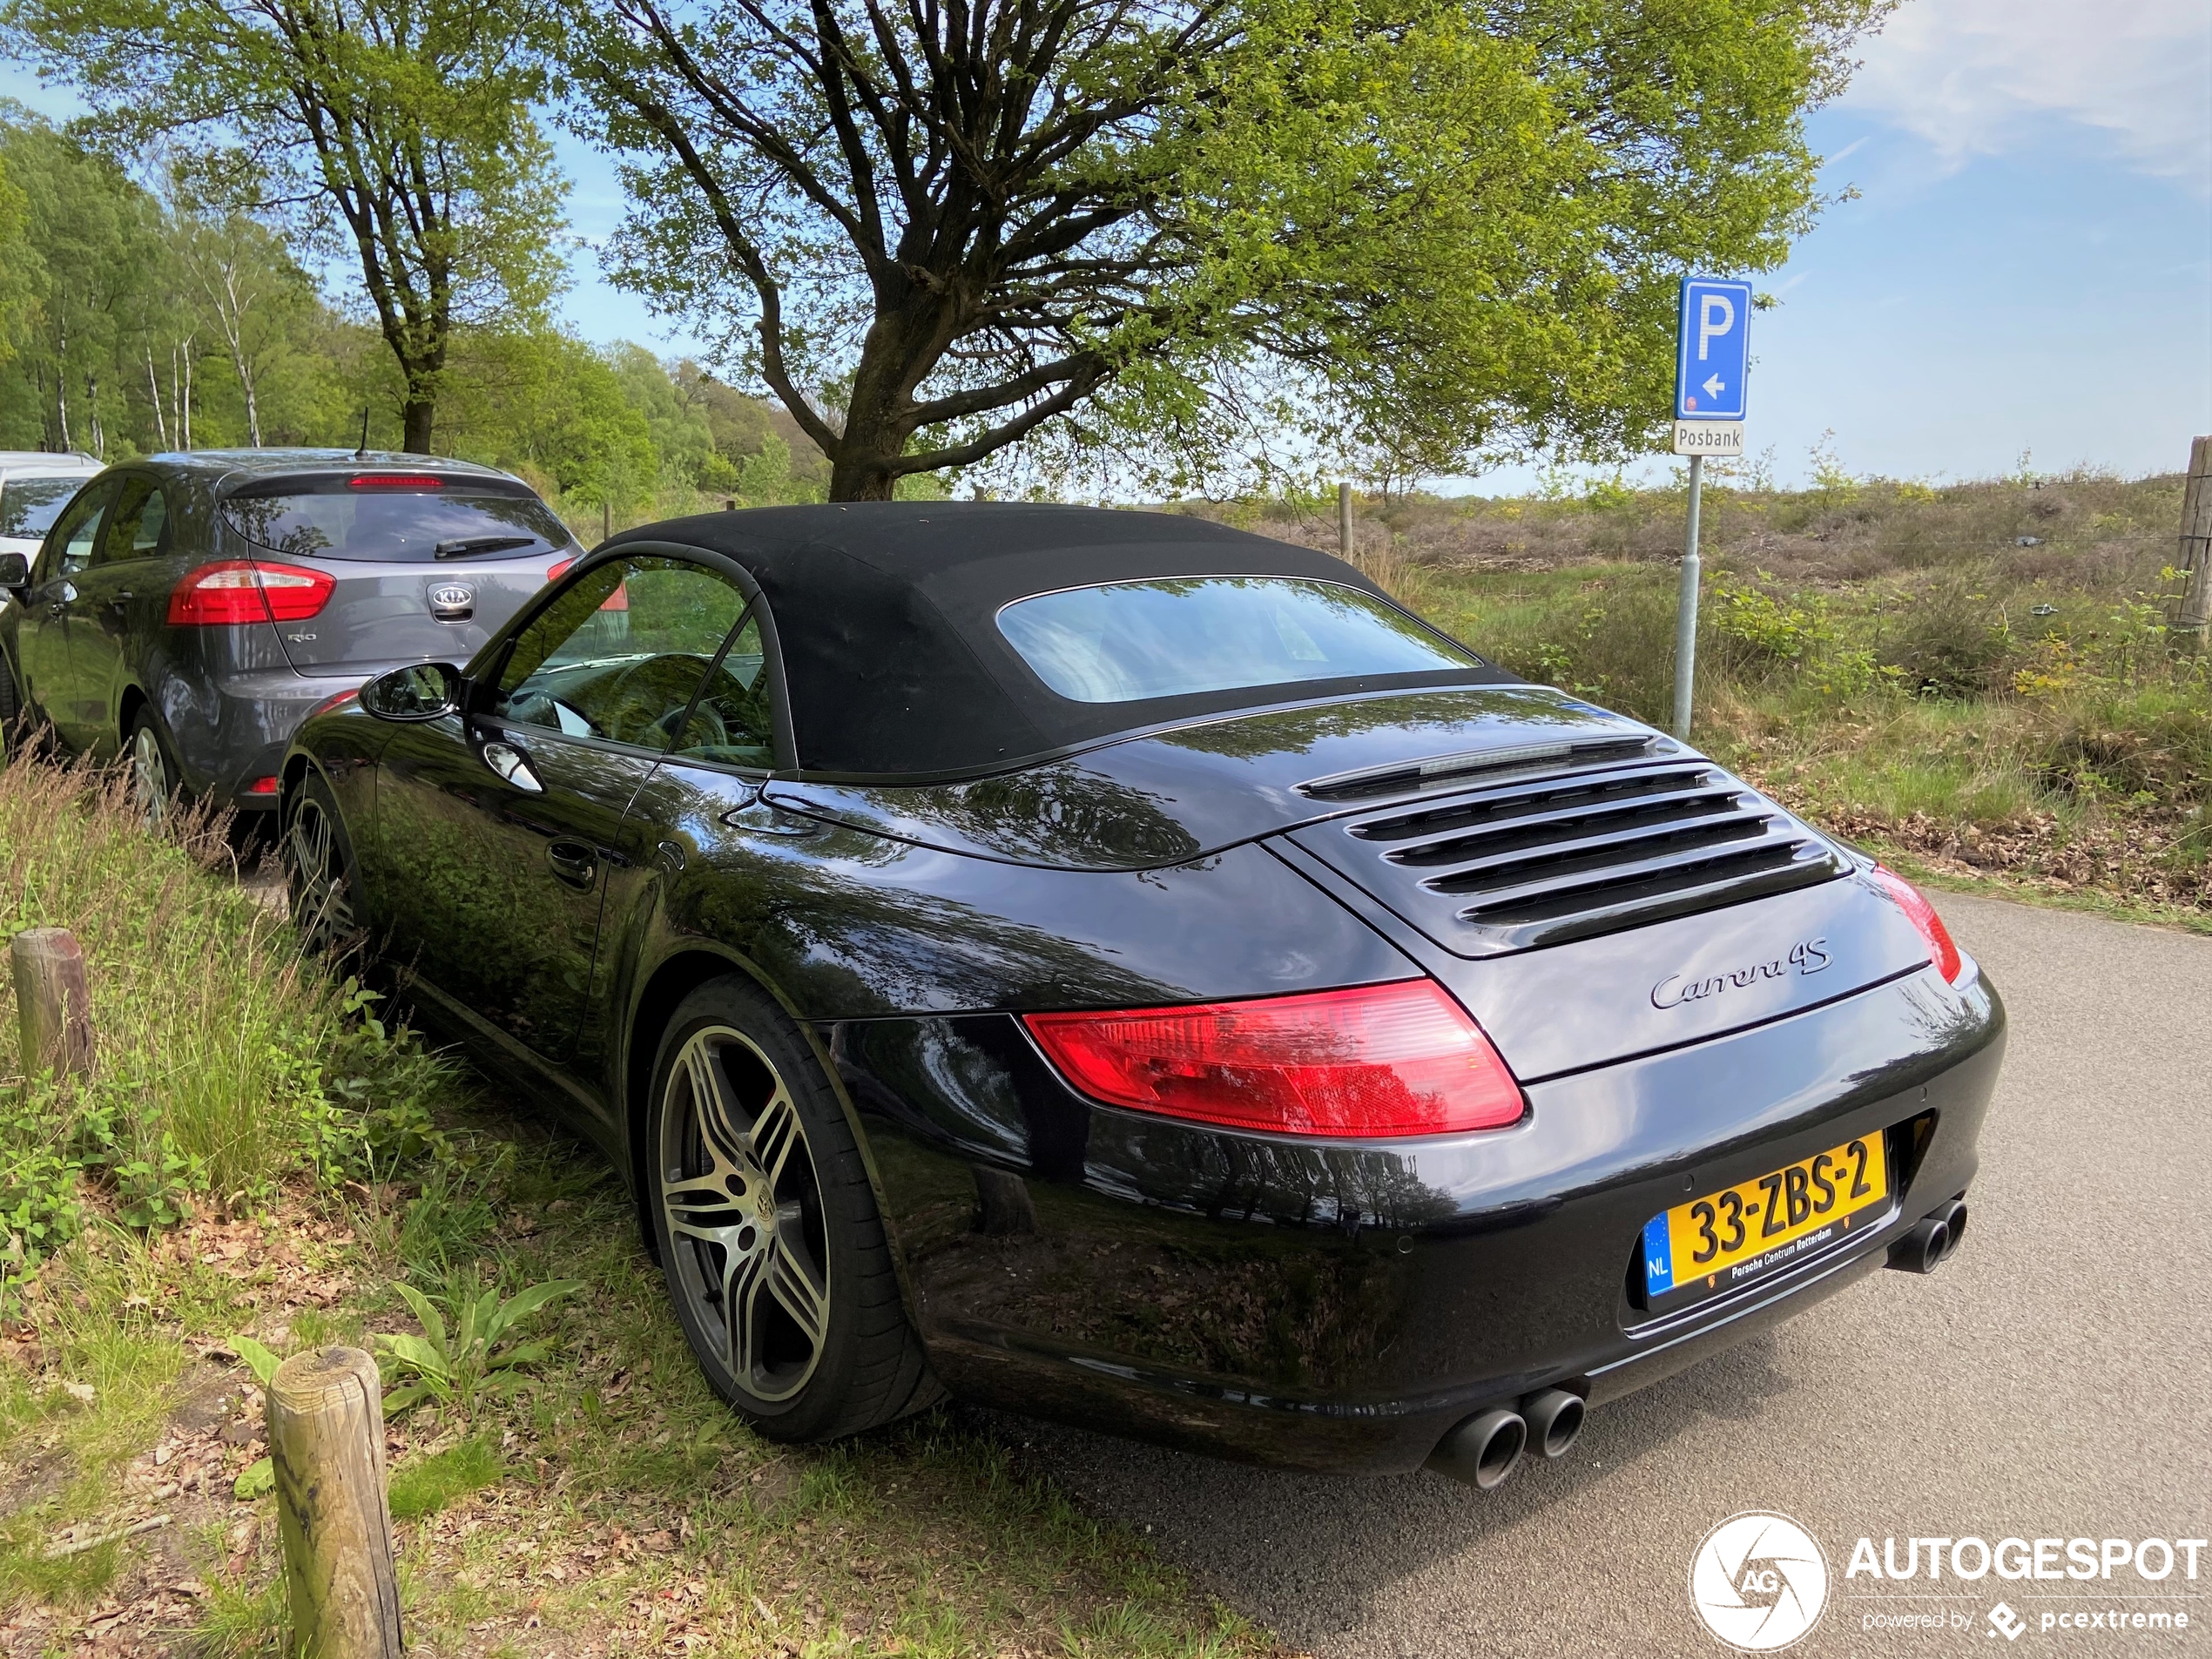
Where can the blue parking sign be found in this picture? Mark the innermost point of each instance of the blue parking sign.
(1713, 353)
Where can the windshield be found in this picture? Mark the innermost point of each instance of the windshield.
(30, 506)
(405, 526)
(1126, 641)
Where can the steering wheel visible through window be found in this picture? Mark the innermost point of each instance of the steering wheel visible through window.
(621, 655)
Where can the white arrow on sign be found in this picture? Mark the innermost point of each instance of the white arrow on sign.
(1712, 388)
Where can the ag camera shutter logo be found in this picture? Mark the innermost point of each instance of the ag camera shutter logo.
(1760, 1581)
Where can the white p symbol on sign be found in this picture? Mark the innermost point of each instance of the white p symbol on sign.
(1715, 316)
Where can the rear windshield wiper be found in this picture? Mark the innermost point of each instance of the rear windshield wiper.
(469, 545)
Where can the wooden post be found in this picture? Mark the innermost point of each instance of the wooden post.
(2196, 547)
(1344, 523)
(606, 519)
(53, 1007)
(325, 1421)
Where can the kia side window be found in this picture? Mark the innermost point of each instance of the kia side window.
(137, 526)
(620, 654)
(732, 725)
(73, 537)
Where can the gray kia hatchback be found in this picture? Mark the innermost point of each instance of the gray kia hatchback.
(192, 609)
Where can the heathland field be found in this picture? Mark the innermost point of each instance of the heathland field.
(1976, 680)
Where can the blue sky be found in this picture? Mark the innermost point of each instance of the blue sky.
(2028, 267)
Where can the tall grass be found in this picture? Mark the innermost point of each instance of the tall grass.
(212, 1030)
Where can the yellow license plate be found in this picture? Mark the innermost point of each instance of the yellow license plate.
(1729, 1237)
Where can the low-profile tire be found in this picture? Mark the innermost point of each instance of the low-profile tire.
(317, 857)
(155, 784)
(761, 1204)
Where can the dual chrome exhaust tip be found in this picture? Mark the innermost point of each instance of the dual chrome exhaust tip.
(1486, 1448)
(1932, 1240)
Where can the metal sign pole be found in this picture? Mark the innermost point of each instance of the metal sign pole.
(1686, 608)
(1712, 358)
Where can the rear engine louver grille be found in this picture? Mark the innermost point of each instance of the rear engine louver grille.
(1538, 863)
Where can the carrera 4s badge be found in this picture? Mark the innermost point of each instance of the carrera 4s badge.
(1806, 956)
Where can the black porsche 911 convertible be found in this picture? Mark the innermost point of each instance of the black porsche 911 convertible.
(1131, 971)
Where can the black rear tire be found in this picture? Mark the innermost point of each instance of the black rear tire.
(767, 1227)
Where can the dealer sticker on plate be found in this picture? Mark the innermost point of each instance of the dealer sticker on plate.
(1729, 1237)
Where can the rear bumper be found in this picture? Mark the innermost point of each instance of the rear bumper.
(1339, 1307)
(239, 732)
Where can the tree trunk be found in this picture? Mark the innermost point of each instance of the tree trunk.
(417, 415)
(863, 465)
(861, 478)
(153, 391)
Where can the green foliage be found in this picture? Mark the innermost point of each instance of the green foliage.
(471, 1356)
(1430, 236)
(396, 133)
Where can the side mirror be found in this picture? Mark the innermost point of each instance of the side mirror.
(15, 572)
(419, 691)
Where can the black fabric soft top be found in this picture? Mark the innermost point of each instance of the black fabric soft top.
(886, 614)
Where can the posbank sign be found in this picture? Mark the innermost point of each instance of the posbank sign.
(1760, 1582)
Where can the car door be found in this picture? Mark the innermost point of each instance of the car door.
(50, 611)
(498, 830)
(113, 594)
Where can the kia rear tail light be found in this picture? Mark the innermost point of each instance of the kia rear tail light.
(1376, 1060)
(1922, 915)
(241, 591)
(560, 569)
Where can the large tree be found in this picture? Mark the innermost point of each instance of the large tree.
(1173, 231)
(398, 131)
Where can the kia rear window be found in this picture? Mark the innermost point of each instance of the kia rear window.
(445, 526)
(30, 506)
(1125, 641)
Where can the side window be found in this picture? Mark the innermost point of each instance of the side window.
(732, 723)
(619, 654)
(138, 523)
(70, 542)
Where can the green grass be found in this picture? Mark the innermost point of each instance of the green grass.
(613, 1501)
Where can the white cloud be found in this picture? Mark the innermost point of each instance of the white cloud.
(1979, 77)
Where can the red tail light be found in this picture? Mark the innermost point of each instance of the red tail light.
(1918, 911)
(236, 590)
(1379, 1060)
(560, 569)
(396, 481)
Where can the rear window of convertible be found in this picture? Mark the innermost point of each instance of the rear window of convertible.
(1124, 642)
(400, 526)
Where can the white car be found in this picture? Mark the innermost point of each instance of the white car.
(34, 487)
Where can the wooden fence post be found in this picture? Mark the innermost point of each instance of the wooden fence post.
(2197, 546)
(53, 1007)
(1344, 523)
(325, 1421)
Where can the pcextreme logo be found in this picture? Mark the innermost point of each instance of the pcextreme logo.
(1760, 1581)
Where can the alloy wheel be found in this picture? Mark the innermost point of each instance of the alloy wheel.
(148, 777)
(322, 908)
(743, 1203)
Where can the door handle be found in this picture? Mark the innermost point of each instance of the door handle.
(121, 600)
(573, 861)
